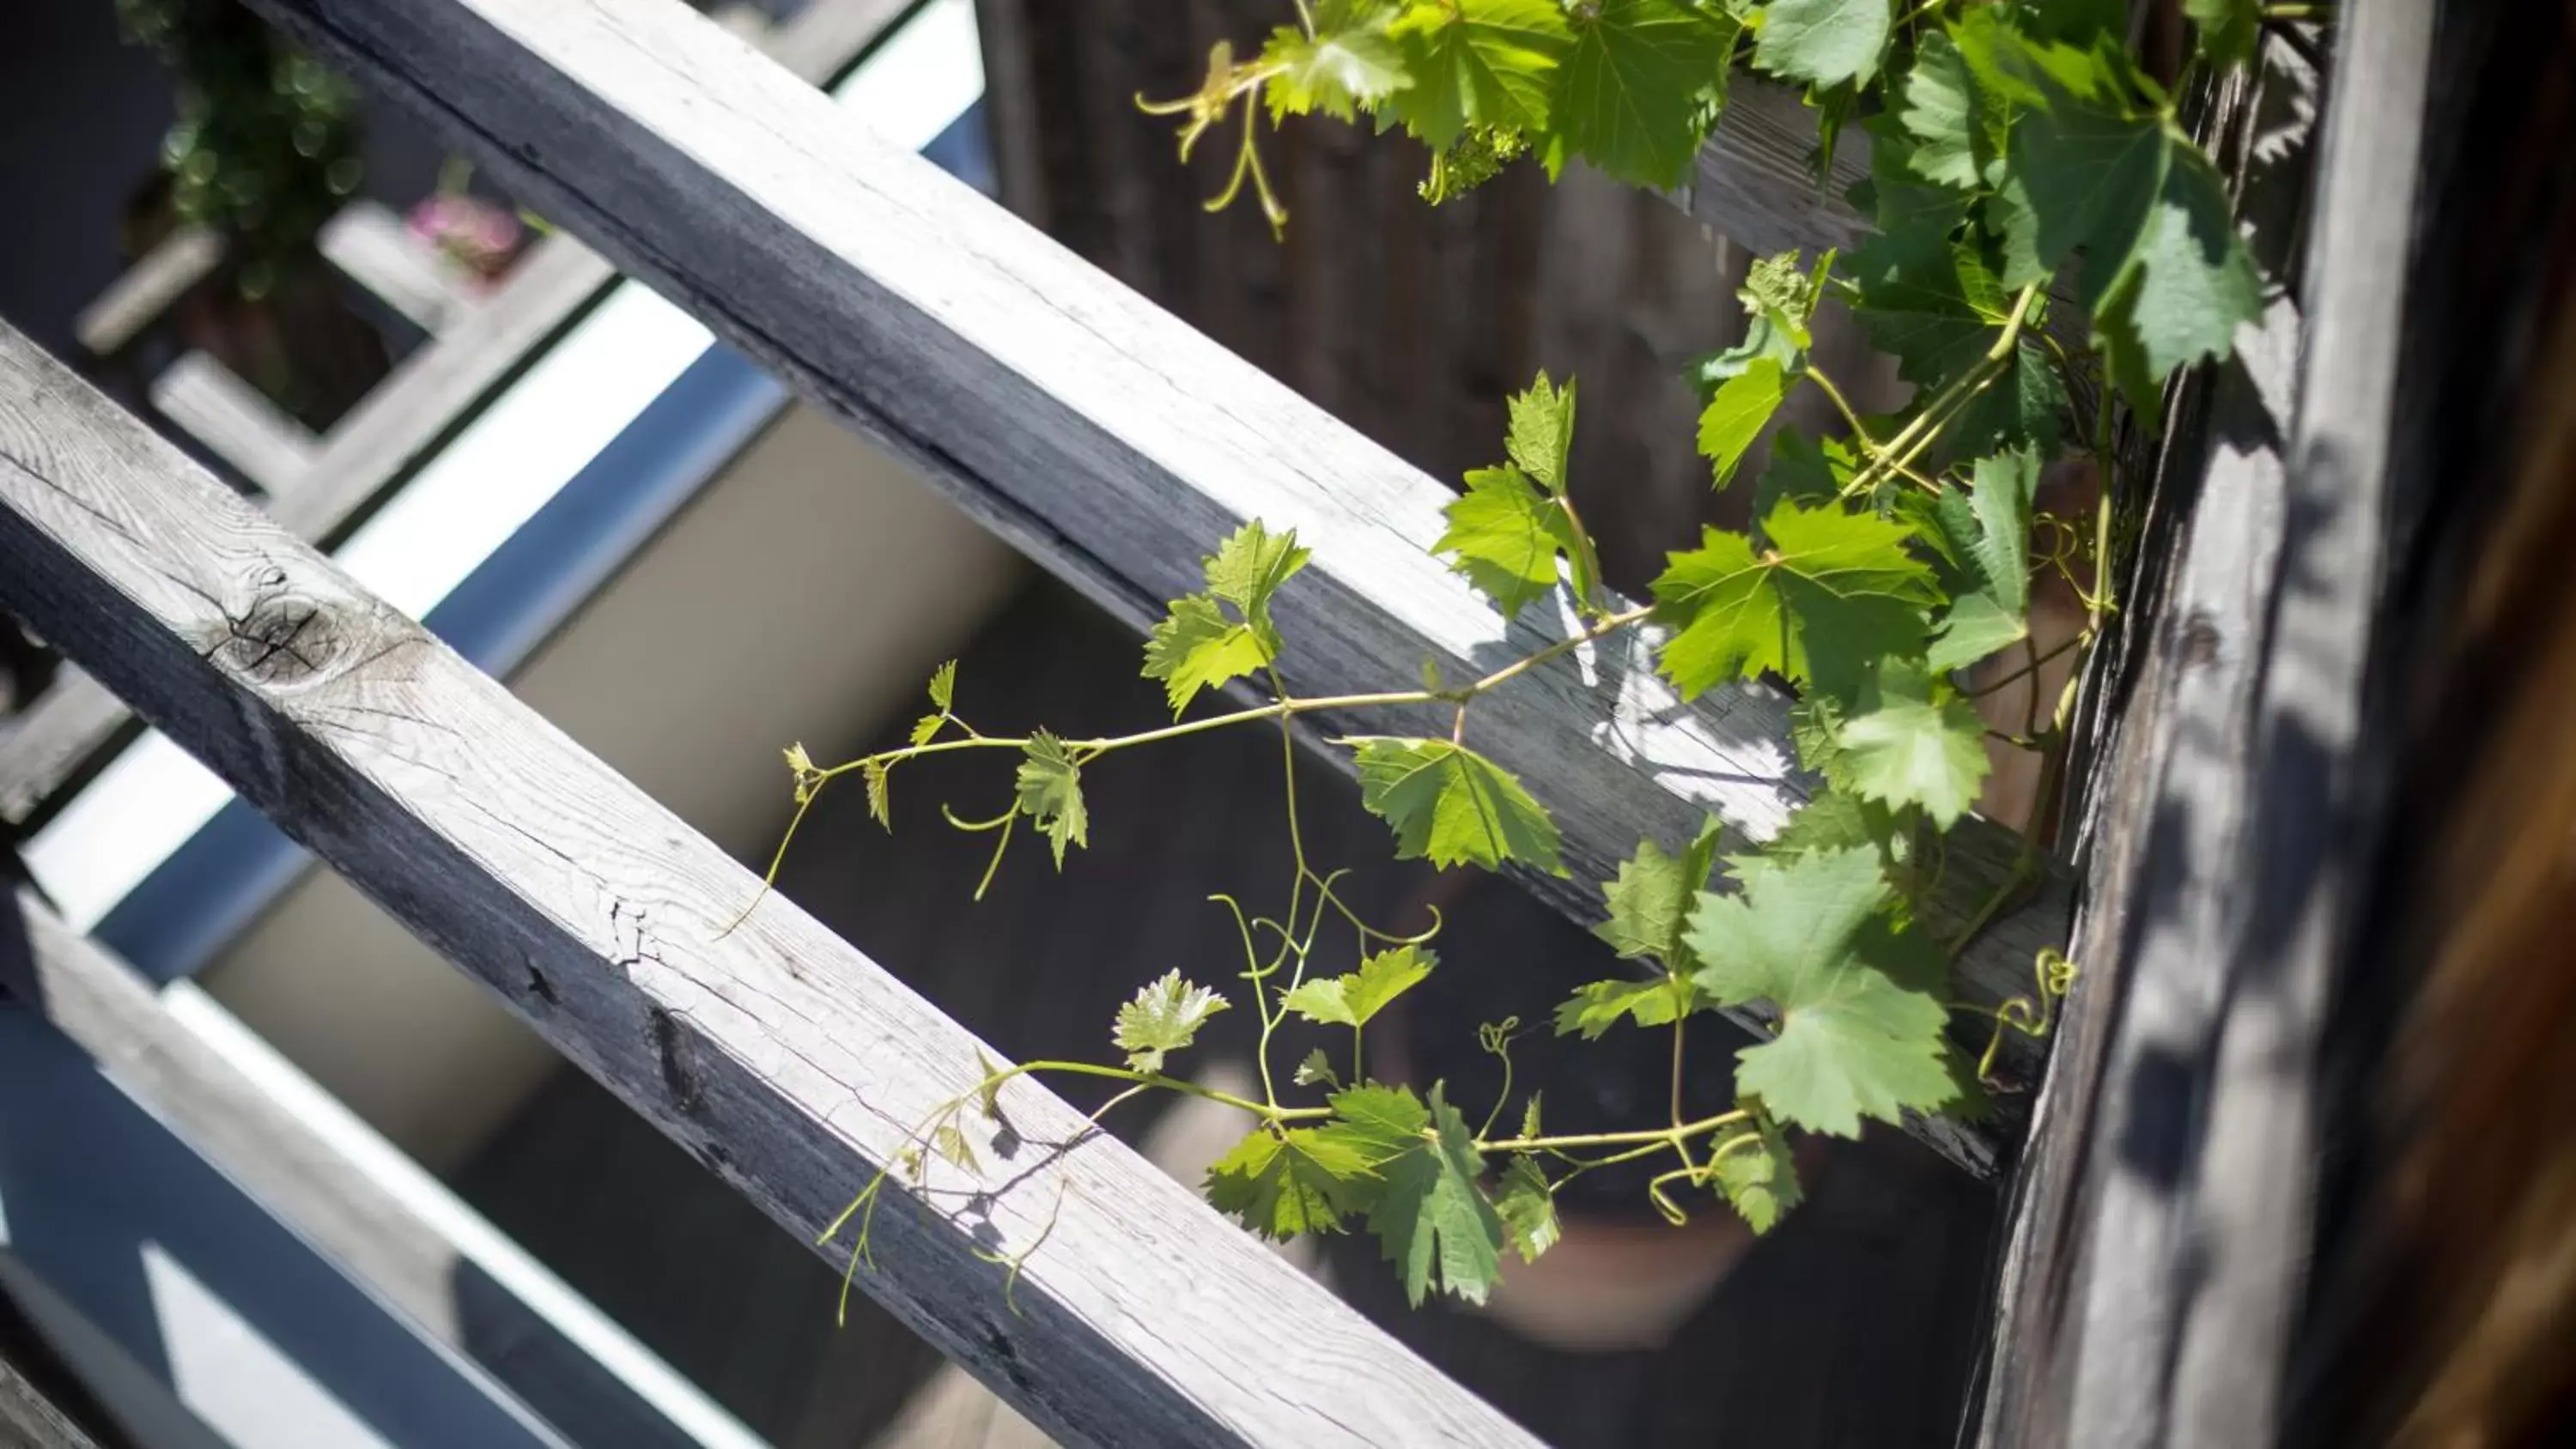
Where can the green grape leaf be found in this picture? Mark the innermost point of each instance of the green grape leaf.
(1527, 1208)
(1834, 590)
(1435, 1224)
(2227, 28)
(2024, 407)
(1957, 131)
(1197, 647)
(1529, 1116)
(1349, 63)
(926, 728)
(1283, 1184)
(1165, 1016)
(1739, 412)
(1601, 1005)
(1808, 935)
(1249, 567)
(1992, 542)
(1350, 1000)
(1504, 538)
(1931, 299)
(943, 687)
(1824, 42)
(1382, 1122)
(1805, 470)
(1478, 63)
(1650, 899)
(1450, 806)
(2189, 284)
(1914, 741)
(1834, 820)
(1541, 440)
(880, 800)
(951, 1144)
(1628, 94)
(1760, 1179)
(1317, 1070)
(1050, 793)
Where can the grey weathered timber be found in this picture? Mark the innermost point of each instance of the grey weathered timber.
(1092, 430)
(29, 1420)
(209, 402)
(404, 422)
(1755, 182)
(370, 246)
(790, 1064)
(406, 1260)
(2158, 1256)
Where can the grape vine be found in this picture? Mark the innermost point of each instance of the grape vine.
(2050, 247)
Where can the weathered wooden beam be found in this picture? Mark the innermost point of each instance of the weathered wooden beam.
(2159, 1249)
(784, 1059)
(403, 423)
(415, 1262)
(1097, 433)
(29, 1419)
(1755, 183)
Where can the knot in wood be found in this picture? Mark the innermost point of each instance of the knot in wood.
(286, 639)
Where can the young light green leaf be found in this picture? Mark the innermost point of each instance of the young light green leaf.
(1760, 1179)
(1837, 819)
(926, 729)
(1940, 107)
(988, 1092)
(1317, 1071)
(1349, 63)
(1504, 538)
(1824, 42)
(1050, 793)
(1601, 1005)
(1650, 899)
(951, 1144)
(1528, 1209)
(880, 803)
(1480, 63)
(1249, 567)
(1988, 529)
(1434, 1221)
(1914, 741)
(1451, 806)
(1529, 1116)
(1197, 647)
(1165, 1016)
(1834, 590)
(1808, 935)
(1740, 411)
(1541, 439)
(1287, 1183)
(1351, 999)
(1629, 94)
(943, 687)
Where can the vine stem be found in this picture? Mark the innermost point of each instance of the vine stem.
(1656, 1137)
(1901, 450)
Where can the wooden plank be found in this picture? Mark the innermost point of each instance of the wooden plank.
(413, 1261)
(404, 422)
(2158, 1256)
(211, 403)
(1099, 435)
(147, 289)
(29, 1420)
(371, 246)
(1755, 182)
(790, 1064)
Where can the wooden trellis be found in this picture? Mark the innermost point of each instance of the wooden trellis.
(1114, 445)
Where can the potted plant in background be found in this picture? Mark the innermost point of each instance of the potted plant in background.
(264, 151)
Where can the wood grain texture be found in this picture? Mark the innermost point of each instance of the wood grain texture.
(2162, 1218)
(401, 425)
(789, 1063)
(1756, 179)
(405, 1260)
(1097, 434)
(235, 421)
(29, 1420)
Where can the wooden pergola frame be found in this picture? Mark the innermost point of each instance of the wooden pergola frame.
(1114, 445)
